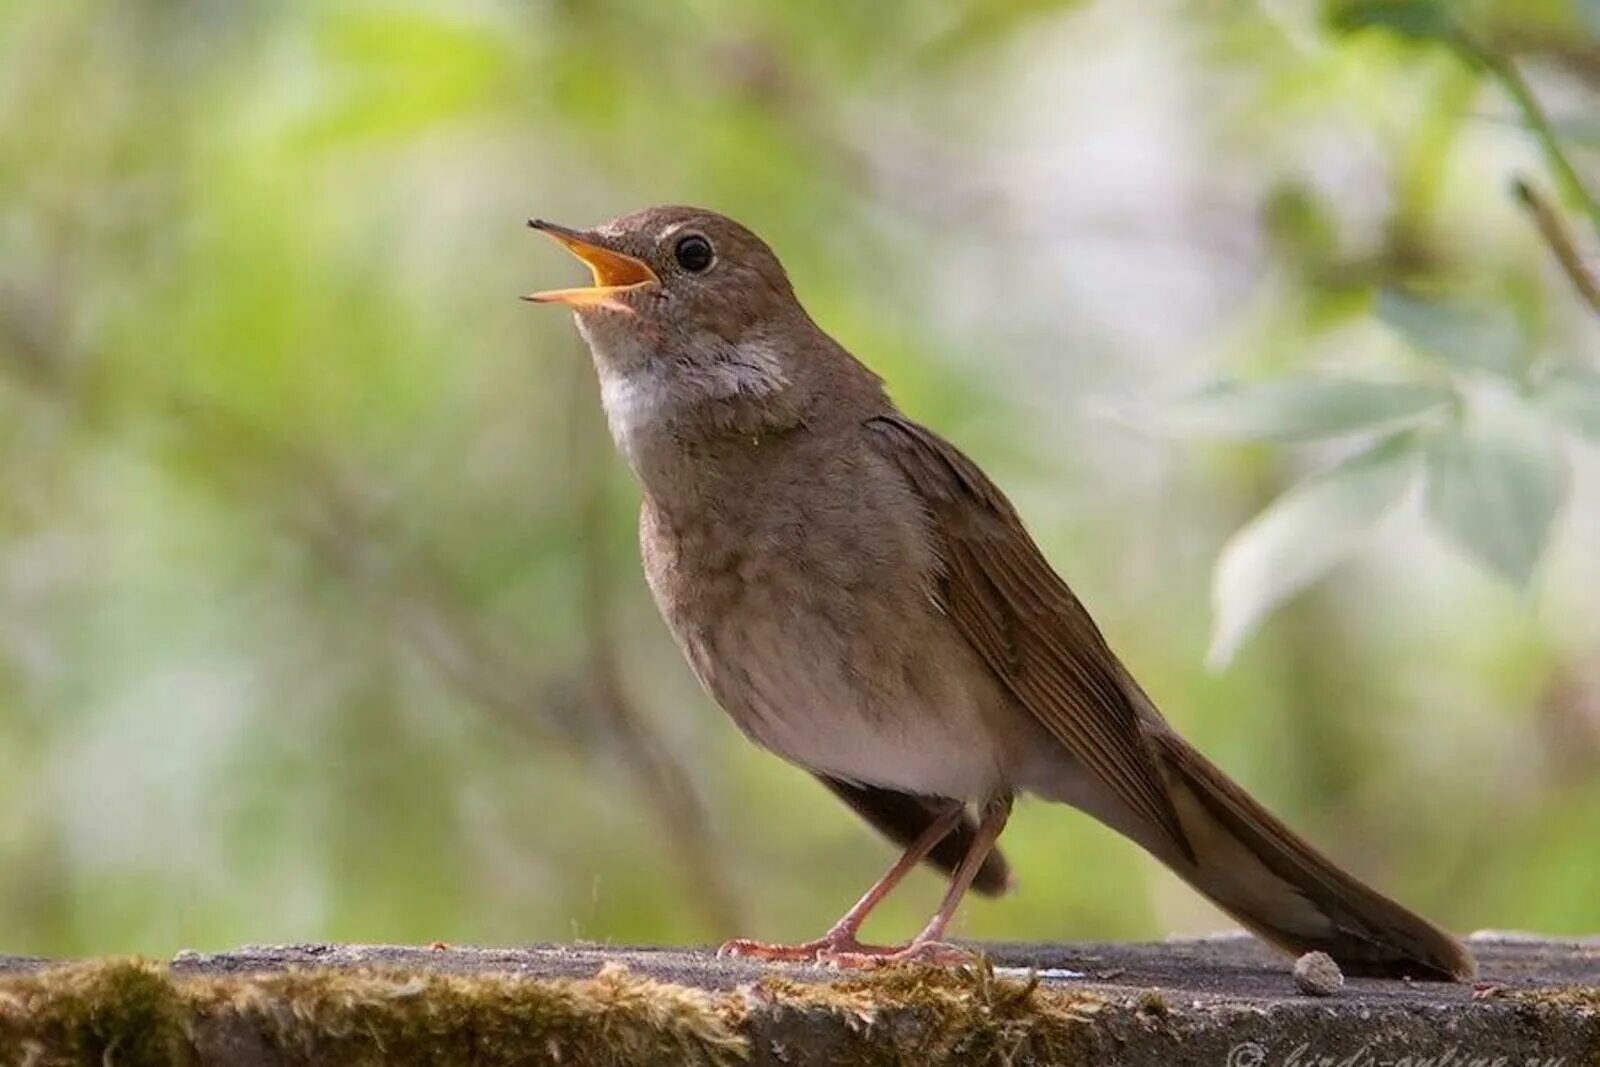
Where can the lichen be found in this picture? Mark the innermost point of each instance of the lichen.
(120, 1011)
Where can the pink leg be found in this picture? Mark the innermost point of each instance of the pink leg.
(926, 946)
(842, 936)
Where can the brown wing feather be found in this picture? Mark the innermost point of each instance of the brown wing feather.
(1026, 624)
(901, 817)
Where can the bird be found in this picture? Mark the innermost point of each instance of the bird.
(865, 603)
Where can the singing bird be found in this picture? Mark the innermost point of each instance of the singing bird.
(865, 603)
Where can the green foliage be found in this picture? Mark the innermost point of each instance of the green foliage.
(1494, 484)
(1495, 475)
(1496, 489)
(1465, 337)
(1441, 22)
(1303, 534)
(1572, 395)
(1418, 20)
(320, 609)
(1300, 408)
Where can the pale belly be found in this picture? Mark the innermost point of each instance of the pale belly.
(812, 626)
(878, 688)
(914, 712)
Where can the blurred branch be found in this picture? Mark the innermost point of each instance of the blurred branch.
(1516, 86)
(1567, 728)
(329, 515)
(1431, 20)
(1554, 230)
(480, 663)
(1573, 54)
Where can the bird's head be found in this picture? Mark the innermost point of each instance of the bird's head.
(680, 282)
(697, 336)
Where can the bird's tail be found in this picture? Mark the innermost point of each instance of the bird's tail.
(1263, 874)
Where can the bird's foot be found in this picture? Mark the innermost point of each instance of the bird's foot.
(818, 951)
(929, 953)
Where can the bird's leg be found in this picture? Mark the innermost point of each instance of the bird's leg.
(842, 936)
(926, 946)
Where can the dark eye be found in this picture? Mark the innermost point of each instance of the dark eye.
(693, 253)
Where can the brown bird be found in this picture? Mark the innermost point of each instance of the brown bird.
(866, 604)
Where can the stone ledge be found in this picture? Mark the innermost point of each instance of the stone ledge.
(1222, 1001)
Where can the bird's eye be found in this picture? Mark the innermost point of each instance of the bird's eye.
(693, 253)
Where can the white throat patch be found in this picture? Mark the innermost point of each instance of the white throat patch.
(634, 401)
(643, 397)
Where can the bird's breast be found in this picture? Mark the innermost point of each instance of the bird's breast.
(804, 605)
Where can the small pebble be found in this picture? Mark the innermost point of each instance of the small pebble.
(1317, 975)
(1041, 972)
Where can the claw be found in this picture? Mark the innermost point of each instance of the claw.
(928, 953)
(821, 950)
(741, 949)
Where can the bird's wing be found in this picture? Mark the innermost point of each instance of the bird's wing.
(1002, 595)
(902, 817)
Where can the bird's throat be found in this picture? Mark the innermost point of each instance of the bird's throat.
(672, 414)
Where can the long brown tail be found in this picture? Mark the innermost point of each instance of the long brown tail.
(1264, 875)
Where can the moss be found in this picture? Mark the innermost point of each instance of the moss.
(1565, 1000)
(134, 1014)
(1582, 999)
(123, 1012)
(964, 1015)
(376, 1017)
(1152, 1004)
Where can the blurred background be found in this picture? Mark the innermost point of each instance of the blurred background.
(320, 610)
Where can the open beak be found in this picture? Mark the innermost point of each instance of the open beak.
(614, 272)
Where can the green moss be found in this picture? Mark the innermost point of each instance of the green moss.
(377, 1017)
(965, 1015)
(1152, 1004)
(123, 1012)
(1565, 1000)
(135, 1014)
(1575, 998)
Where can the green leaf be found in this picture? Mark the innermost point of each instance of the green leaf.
(1467, 338)
(1494, 487)
(1299, 409)
(1416, 20)
(1300, 536)
(1572, 394)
